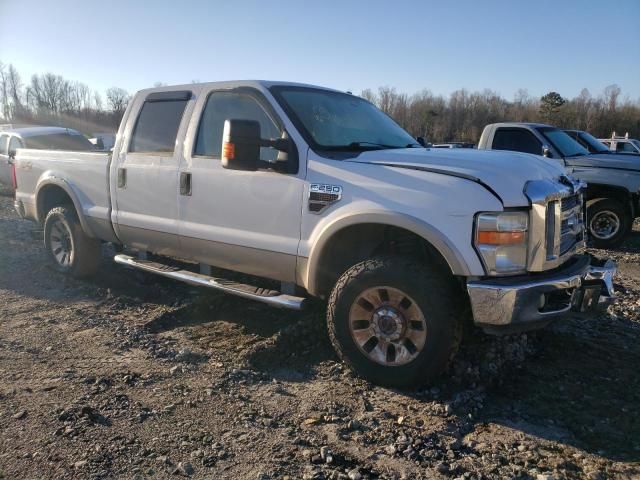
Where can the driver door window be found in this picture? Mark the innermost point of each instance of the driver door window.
(222, 106)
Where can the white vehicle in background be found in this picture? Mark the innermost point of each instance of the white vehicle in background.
(316, 193)
(41, 138)
(622, 144)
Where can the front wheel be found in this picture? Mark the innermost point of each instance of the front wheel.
(394, 321)
(609, 222)
(69, 249)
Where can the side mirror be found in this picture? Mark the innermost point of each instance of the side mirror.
(546, 151)
(421, 141)
(12, 153)
(241, 145)
(99, 144)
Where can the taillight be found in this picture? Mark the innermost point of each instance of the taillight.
(14, 179)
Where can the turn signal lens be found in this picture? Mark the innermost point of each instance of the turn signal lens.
(501, 238)
(228, 151)
(501, 241)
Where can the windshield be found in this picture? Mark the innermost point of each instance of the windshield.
(594, 145)
(566, 145)
(59, 141)
(334, 121)
(636, 143)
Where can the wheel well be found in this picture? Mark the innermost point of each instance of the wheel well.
(51, 196)
(356, 243)
(619, 194)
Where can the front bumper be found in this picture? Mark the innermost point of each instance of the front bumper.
(505, 305)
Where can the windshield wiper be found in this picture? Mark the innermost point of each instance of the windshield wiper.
(363, 146)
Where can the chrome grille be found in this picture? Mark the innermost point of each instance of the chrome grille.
(571, 225)
(556, 227)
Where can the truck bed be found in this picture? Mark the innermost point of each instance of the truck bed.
(83, 175)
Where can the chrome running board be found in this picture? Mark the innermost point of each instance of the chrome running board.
(270, 297)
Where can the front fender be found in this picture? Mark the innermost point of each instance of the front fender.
(431, 234)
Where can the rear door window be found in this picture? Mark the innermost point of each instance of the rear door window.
(157, 125)
(516, 139)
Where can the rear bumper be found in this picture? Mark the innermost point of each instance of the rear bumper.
(523, 303)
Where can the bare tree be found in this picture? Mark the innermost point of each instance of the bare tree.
(117, 100)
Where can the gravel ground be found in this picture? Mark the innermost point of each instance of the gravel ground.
(131, 376)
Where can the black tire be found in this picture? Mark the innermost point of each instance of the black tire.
(436, 294)
(84, 254)
(598, 211)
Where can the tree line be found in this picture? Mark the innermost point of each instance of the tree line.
(50, 99)
(463, 115)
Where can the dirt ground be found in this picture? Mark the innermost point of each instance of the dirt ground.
(131, 376)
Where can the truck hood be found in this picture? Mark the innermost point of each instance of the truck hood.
(605, 160)
(505, 173)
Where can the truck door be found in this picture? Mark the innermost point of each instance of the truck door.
(146, 190)
(240, 220)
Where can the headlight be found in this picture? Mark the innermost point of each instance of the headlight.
(501, 241)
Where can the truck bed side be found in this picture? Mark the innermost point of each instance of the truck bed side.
(47, 175)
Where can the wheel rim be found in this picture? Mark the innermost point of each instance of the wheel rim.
(61, 243)
(387, 326)
(605, 225)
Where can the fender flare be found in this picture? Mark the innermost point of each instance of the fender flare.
(51, 179)
(428, 232)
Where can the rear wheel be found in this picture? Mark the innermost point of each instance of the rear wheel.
(69, 249)
(609, 222)
(395, 321)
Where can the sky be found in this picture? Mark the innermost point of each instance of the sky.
(411, 45)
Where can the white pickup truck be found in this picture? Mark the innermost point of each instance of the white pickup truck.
(316, 193)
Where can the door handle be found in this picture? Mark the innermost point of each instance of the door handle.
(185, 183)
(122, 177)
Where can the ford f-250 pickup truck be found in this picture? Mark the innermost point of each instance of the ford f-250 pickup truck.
(320, 193)
(613, 180)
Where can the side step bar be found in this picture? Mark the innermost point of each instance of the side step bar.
(270, 297)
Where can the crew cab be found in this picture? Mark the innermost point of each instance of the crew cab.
(312, 192)
(613, 191)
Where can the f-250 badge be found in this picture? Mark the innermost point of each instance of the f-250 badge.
(322, 195)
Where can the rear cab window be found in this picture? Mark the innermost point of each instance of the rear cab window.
(516, 139)
(157, 125)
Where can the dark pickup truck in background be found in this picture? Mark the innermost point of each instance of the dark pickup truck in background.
(613, 180)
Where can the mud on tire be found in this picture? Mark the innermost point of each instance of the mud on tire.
(435, 294)
(68, 248)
